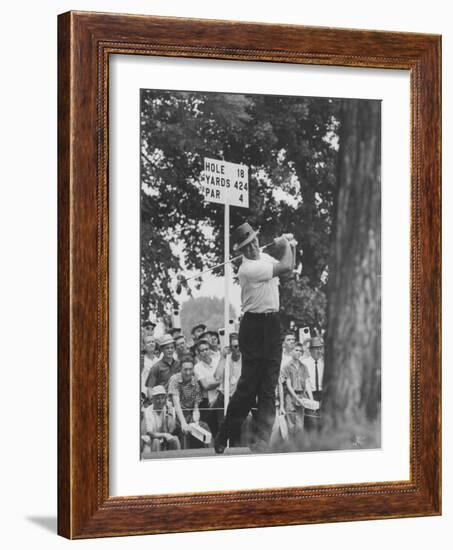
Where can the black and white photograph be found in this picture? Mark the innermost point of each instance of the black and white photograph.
(260, 273)
(227, 225)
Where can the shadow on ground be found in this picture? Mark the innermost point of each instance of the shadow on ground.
(49, 523)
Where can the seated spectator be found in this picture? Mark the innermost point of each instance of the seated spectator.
(186, 395)
(205, 375)
(160, 372)
(295, 379)
(159, 423)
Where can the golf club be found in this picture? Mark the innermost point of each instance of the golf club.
(182, 281)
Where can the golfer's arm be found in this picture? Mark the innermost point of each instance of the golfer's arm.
(285, 264)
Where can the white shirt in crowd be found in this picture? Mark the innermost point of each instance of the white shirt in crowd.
(286, 359)
(147, 364)
(204, 371)
(235, 374)
(259, 290)
(157, 421)
(215, 357)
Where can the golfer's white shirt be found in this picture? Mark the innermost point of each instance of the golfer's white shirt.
(259, 290)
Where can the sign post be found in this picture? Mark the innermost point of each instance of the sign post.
(226, 183)
(226, 303)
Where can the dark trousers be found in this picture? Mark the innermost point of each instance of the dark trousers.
(209, 416)
(219, 403)
(313, 418)
(260, 345)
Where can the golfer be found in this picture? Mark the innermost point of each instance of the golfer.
(259, 337)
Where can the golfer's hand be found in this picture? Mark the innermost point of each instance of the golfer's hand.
(290, 238)
(226, 351)
(281, 242)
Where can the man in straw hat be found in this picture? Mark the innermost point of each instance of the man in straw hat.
(160, 372)
(159, 423)
(259, 337)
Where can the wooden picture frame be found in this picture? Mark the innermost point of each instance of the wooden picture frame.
(85, 41)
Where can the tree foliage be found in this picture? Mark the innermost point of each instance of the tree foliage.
(290, 146)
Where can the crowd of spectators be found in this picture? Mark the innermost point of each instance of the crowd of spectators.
(182, 388)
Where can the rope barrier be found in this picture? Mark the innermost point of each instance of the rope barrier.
(252, 409)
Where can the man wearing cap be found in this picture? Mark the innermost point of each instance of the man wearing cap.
(159, 423)
(174, 332)
(160, 372)
(315, 366)
(259, 336)
(196, 333)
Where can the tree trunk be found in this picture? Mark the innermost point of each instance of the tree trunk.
(353, 344)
